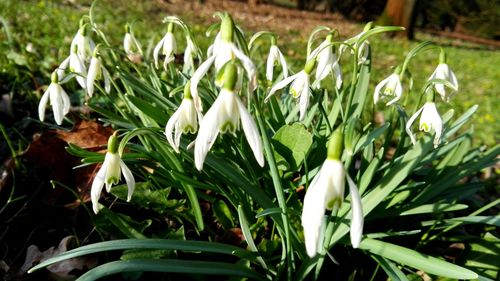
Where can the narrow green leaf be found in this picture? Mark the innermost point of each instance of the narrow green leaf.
(393, 272)
(172, 266)
(165, 244)
(434, 208)
(416, 259)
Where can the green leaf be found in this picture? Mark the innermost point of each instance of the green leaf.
(370, 137)
(125, 224)
(172, 266)
(147, 198)
(416, 259)
(434, 208)
(162, 244)
(393, 272)
(292, 142)
(223, 214)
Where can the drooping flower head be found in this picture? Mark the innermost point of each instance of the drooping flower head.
(299, 87)
(326, 192)
(82, 42)
(131, 46)
(430, 120)
(110, 173)
(184, 120)
(363, 47)
(444, 72)
(167, 46)
(97, 71)
(275, 55)
(327, 62)
(224, 117)
(388, 88)
(223, 51)
(58, 99)
(76, 66)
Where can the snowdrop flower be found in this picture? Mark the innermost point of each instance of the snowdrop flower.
(327, 62)
(76, 66)
(97, 71)
(189, 53)
(223, 50)
(327, 192)
(389, 87)
(299, 87)
(444, 72)
(83, 43)
(168, 47)
(429, 121)
(130, 44)
(184, 120)
(224, 116)
(58, 99)
(110, 173)
(274, 56)
(363, 48)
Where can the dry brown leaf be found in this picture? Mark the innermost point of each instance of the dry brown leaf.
(62, 269)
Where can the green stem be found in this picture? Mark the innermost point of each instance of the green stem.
(278, 188)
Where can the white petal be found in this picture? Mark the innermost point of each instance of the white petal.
(207, 133)
(195, 79)
(129, 179)
(376, 94)
(335, 183)
(62, 69)
(127, 43)
(249, 67)
(357, 220)
(66, 101)
(251, 132)
(313, 212)
(43, 103)
(94, 69)
(398, 91)
(338, 75)
(304, 100)
(156, 51)
(169, 129)
(107, 80)
(97, 185)
(410, 123)
(57, 103)
(282, 84)
(270, 63)
(77, 66)
(283, 63)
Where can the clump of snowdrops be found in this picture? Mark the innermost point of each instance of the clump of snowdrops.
(269, 148)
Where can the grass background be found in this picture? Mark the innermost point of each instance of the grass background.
(35, 38)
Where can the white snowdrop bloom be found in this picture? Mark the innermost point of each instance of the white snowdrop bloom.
(327, 63)
(224, 117)
(130, 43)
(97, 71)
(189, 54)
(299, 87)
(326, 192)
(430, 120)
(444, 72)
(76, 67)
(83, 43)
(167, 46)
(110, 173)
(223, 50)
(58, 99)
(184, 120)
(389, 87)
(275, 55)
